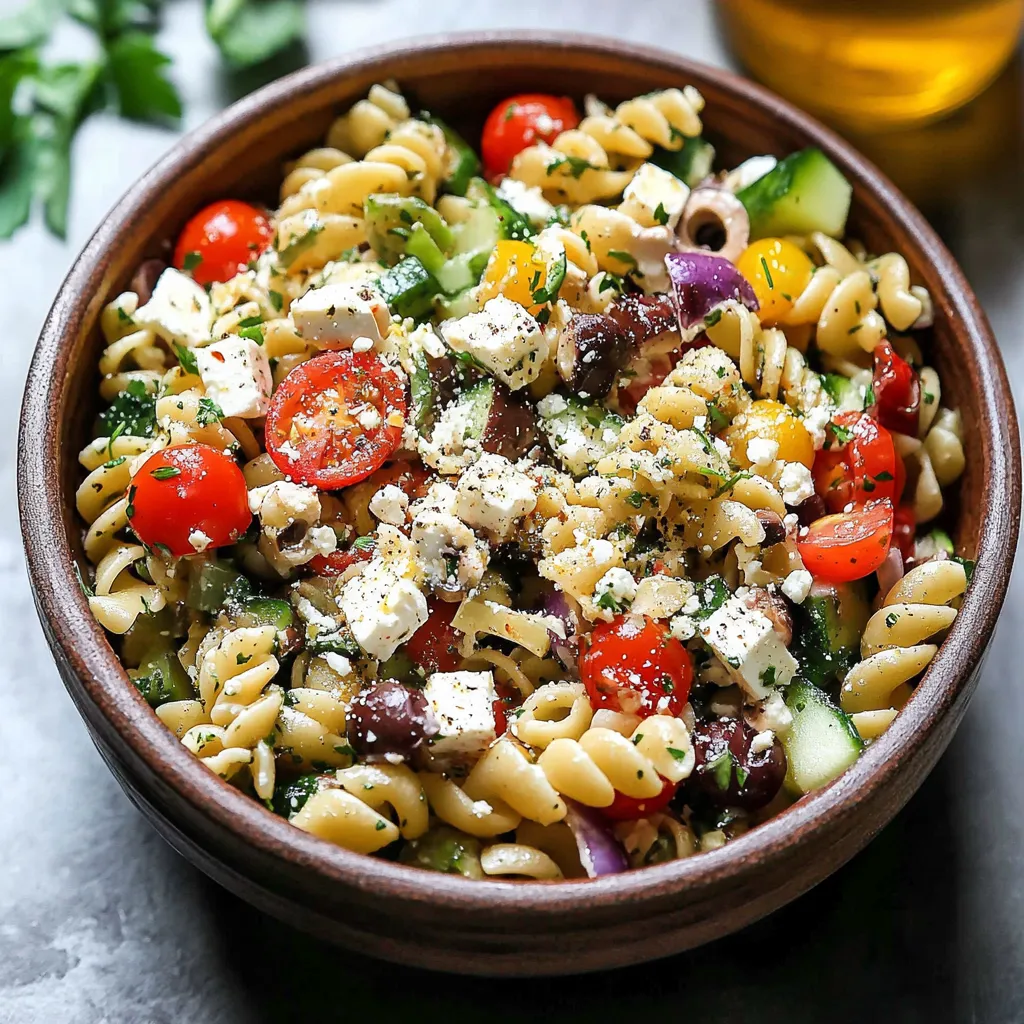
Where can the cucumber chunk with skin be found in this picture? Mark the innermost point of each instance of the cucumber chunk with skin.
(409, 289)
(822, 742)
(512, 224)
(213, 585)
(829, 624)
(391, 219)
(462, 163)
(803, 193)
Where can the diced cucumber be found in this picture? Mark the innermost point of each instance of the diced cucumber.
(149, 634)
(215, 584)
(161, 678)
(475, 403)
(691, 164)
(479, 232)
(449, 307)
(579, 434)
(421, 390)
(462, 271)
(446, 850)
(848, 396)
(803, 193)
(409, 289)
(822, 742)
(422, 245)
(264, 611)
(512, 224)
(462, 163)
(828, 627)
(390, 219)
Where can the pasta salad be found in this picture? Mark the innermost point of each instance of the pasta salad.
(542, 516)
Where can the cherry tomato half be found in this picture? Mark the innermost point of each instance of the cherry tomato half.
(435, 645)
(221, 239)
(189, 498)
(634, 665)
(897, 391)
(629, 808)
(519, 122)
(859, 463)
(847, 546)
(335, 419)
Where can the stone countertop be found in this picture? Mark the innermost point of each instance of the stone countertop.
(102, 922)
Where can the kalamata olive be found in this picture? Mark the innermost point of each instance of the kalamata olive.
(727, 772)
(810, 509)
(591, 351)
(774, 527)
(511, 426)
(145, 279)
(643, 317)
(773, 608)
(714, 220)
(389, 718)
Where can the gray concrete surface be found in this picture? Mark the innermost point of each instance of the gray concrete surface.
(101, 922)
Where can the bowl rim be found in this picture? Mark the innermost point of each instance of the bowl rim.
(73, 633)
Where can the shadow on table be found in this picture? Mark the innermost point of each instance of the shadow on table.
(876, 935)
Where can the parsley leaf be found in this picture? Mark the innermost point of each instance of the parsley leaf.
(137, 71)
(209, 412)
(248, 32)
(133, 412)
(186, 358)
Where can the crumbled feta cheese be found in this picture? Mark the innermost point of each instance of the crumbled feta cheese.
(440, 497)
(383, 606)
(649, 247)
(199, 540)
(338, 663)
(530, 202)
(683, 627)
(337, 314)
(390, 505)
(797, 585)
(791, 521)
(492, 494)
(362, 345)
(463, 704)
(618, 588)
(178, 311)
(762, 741)
(772, 715)
(442, 540)
(369, 419)
(552, 405)
(323, 539)
(748, 645)
(762, 451)
(654, 197)
(816, 420)
(504, 338)
(796, 483)
(752, 169)
(236, 375)
(281, 503)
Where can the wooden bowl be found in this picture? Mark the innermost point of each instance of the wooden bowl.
(440, 921)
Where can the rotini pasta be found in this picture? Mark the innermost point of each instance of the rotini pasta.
(523, 531)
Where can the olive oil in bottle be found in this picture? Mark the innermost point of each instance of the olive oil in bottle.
(874, 64)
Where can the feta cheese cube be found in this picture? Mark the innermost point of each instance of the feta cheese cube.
(654, 197)
(796, 483)
(178, 311)
(389, 505)
(236, 375)
(614, 592)
(504, 338)
(747, 644)
(762, 451)
(797, 585)
(337, 314)
(492, 494)
(383, 607)
(463, 704)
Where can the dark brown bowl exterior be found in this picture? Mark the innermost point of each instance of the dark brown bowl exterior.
(440, 921)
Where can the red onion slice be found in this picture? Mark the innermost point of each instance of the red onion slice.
(600, 852)
(891, 571)
(703, 284)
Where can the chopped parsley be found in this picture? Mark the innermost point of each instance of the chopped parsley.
(133, 412)
(186, 358)
(209, 412)
(192, 260)
(660, 214)
(165, 472)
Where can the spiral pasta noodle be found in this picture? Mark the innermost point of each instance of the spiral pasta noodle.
(894, 646)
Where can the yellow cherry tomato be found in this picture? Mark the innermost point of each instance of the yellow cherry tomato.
(788, 273)
(515, 270)
(770, 421)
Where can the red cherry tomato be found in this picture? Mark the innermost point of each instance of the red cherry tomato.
(847, 546)
(897, 391)
(859, 464)
(221, 239)
(629, 808)
(434, 647)
(519, 122)
(904, 530)
(335, 419)
(337, 562)
(189, 498)
(634, 665)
